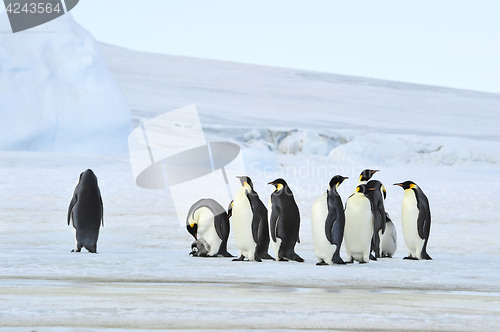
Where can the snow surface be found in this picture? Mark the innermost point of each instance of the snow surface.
(56, 92)
(290, 125)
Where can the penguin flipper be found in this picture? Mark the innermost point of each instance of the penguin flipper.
(330, 220)
(102, 211)
(253, 199)
(221, 224)
(273, 222)
(383, 214)
(423, 222)
(71, 205)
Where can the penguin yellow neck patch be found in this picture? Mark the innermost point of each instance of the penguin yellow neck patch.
(412, 186)
(279, 187)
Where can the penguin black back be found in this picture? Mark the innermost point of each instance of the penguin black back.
(285, 220)
(374, 189)
(335, 220)
(86, 211)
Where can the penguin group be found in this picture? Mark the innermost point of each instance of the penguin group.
(363, 224)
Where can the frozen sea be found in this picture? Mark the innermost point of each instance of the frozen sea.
(307, 127)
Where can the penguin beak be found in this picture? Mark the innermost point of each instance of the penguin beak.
(398, 184)
(271, 183)
(192, 253)
(375, 171)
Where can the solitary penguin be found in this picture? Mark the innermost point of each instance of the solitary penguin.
(328, 222)
(358, 226)
(86, 212)
(284, 222)
(416, 220)
(208, 218)
(366, 175)
(376, 194)
(250, 225)
(389, 242)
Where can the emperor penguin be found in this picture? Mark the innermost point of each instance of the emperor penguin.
(86, 212)
(328, 222)
(416, 220)
(358, 226)
(207, 220)
(376, 194)
(366, 175)
(250, 225)
(389, 242)
(284, 222)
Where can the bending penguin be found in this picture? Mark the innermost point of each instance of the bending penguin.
(358, 226)
(208, 218)
(250, 226)
(284, 222)
(86, 212)
(389, 242)
(416, 220)
(376, 194)
(328, 222)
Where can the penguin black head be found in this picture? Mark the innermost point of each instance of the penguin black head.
(407, 185)
(337, 180)
(192, 229)
(230, 209)
(245, 179)
(367, 174)
(279, 184)
(88, 177)
(362, 189)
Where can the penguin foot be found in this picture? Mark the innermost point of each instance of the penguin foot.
(322, 263)
(267, 256)
(411, 258)
(362, 262)
(76, 250)
(239, 259)
(298, 259)
(351, 261)
(426, 256)
(282, 259)
(373, 258)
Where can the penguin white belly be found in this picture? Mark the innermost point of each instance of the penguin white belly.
(409, 216)
(275, 245)
(358, 227)
(389, 240)
(323, 249)
(206, 230)
(242, 224)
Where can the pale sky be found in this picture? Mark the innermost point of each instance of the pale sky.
(450, 43)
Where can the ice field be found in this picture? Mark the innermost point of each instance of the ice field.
(302, 126)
